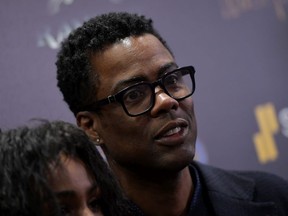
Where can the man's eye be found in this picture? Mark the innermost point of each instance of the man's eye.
(134, 95)
(171, 79)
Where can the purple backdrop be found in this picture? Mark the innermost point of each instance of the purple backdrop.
(239, 49)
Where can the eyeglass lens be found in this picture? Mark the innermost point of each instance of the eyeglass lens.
(140, 98)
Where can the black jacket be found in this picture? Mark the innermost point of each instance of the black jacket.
(244, 193)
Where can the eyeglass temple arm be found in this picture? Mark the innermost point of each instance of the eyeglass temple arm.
(108, 100)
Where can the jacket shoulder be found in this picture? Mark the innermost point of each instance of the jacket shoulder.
(267, 185)
(262, 186)
(244, 191)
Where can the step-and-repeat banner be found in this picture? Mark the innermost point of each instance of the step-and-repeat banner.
(238, 47)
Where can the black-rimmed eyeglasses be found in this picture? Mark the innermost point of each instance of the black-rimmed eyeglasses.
(140, 97)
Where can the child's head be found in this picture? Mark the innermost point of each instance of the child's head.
(54, 169)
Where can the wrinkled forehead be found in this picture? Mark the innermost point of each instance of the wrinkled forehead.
(132, 56)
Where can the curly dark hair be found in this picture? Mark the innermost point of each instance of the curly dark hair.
(75, 80)
(26, 155)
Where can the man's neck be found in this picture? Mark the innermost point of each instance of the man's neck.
(161, 194)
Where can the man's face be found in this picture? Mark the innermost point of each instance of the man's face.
(162, 139)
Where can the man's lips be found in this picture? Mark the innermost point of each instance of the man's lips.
(171, 128)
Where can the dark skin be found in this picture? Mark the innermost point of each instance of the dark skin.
(148, 153)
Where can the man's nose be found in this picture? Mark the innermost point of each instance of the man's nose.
(163, 102)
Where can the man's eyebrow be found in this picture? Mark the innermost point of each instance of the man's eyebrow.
(133, 80)
(165, 68)
(136, 79)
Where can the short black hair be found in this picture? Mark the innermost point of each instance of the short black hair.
(75, 80)
(26, 155)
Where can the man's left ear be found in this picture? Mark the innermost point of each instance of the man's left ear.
(87, 121)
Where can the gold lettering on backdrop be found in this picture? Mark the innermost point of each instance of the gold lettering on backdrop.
(231, 9)
(264, 142)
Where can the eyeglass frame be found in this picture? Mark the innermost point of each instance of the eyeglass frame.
(159, 82)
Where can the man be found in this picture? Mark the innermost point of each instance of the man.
(122, 83)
